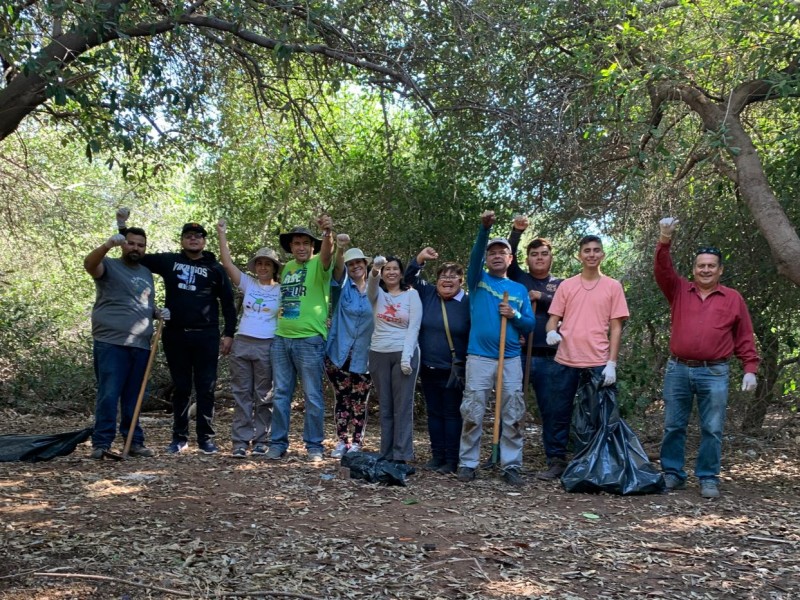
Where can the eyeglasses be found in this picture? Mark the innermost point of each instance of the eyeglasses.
(193, 236)
(449, 277)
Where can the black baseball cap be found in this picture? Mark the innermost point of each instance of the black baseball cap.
(194, 227)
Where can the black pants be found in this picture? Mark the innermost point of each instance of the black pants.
(444, 413)
(192, 358)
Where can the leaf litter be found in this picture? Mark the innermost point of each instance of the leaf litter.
(216, 527)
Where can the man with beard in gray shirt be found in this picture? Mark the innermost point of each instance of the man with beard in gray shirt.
(122, 325)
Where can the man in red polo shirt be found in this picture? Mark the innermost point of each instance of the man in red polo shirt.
(710, 323)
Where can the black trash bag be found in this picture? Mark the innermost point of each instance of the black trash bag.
(613, 461)
(38, 448)
(370, 468)
(585, 413)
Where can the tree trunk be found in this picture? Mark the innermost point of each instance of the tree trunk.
(767, 212)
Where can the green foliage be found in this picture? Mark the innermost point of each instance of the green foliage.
(55, 208)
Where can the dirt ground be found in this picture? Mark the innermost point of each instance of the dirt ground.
(217, 527)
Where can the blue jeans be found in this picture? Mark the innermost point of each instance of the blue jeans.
(444, 413)
(681, 385)
(565, 382)
(119, 371)
(290, 358)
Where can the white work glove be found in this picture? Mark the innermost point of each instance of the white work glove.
(115, 240)
(342, 240)
(749, 382)
(667, 226)
(553, 338)
(610, 373)
(122, 217)
(405, 367)
(163, 314)
(378, 262)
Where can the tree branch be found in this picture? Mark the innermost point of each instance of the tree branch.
(759, 90)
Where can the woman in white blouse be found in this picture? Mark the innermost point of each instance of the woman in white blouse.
(394, 355)
(251, 368)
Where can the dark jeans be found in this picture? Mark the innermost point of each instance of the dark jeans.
(565, 384)
(541, 376)
(192, 358)
(444, 413)
(119, 371)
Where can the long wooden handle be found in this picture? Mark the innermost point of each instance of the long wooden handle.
(135, 418)
(528, 354)
(498, 395)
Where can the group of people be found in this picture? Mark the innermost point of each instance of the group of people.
(329, 313)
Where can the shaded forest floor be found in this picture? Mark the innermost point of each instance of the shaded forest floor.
(214, 526)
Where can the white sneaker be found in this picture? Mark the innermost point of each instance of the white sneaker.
(354, 448)
(340, 450)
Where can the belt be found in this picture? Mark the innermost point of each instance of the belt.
(699, 363)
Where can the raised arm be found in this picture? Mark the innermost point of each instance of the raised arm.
(414, 268)
(517, 229)
(225, 254)
(342, 244)
(326, 252)
(374, 278)
(666, 276)
(478, 254)
(93, 263)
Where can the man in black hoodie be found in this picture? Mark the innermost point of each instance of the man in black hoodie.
(196, 288)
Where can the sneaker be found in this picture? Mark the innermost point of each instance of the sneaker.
(554, 471)
(207, 447)
(513, 477)
(466, 474)
(98, 453)
(674, 482)
(259, 450)
(434, 463)
(709, 488)
(141, 450)
(340, 450)
(239, 452)
(447, 468)
(176, 447)
(354, 447)
(315, 456)
(275, 453)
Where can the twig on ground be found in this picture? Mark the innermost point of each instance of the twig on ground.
(179, 592)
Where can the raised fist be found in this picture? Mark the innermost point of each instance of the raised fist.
(325, 223)
(520, 222)
(222, 227)
(378, 262)
(342, 240)
(115, 240)
(667, 226)
(427, 254)
(487, 218)
(122, 217)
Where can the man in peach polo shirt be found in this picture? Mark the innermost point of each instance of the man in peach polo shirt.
(591, 308)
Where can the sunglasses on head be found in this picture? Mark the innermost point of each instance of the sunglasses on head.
(709, 250)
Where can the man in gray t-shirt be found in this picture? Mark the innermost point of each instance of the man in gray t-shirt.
(122, 324)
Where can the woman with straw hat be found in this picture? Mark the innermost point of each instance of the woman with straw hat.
(347, 353)
(250, 365)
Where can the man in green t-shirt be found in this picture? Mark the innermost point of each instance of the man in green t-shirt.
(299, 346)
